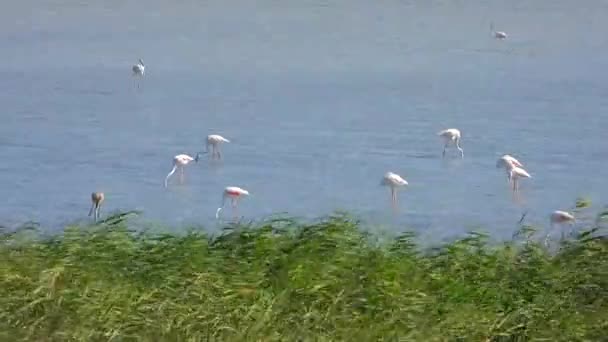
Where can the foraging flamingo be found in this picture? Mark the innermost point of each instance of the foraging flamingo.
(508, 162)
(498, 34)
(393, 181)
(139, 70)
(451, 136)
(234, 193)
(96, 199)
(179, 161)
(213, 140)
(559, 217)
(515, 173)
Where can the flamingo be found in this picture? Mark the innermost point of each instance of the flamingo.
(507, 162)
(139, 69)
(214, 140)
(97, 198)
(393, 181)
(515, 173)
(234, 193)
(179, 161)
(559, 217)
(498, 34)
(451, 136)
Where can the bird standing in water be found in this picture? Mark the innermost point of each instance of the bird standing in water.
(451, 136)
(139, 70)
(179, 161)
(213, 140)
(508, 162)
(393, 181)
(498, 34)
(514, 174)
(234, 193)
(96, 199)
(559, 217)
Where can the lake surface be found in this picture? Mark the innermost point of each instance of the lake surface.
(319, 98)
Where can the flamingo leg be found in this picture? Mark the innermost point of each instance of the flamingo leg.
(548, 235)
(170, 174)
(234, 208)
(181, 175)
(444, 148)
(92, 208)
(217, 213)
(459, 148)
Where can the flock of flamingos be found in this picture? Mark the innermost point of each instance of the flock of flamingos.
(450, 137)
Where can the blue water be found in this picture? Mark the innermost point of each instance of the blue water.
(319, 98)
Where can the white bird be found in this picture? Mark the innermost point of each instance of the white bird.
(139, 68)
(514, 174)
(498, 34)
(213, 140)
(507, 162)
(559, 217)
(393, 181)
(234, 193)
(96, 199)
(451, 136)
(179, 161)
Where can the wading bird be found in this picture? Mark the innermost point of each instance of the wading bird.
(451, 136)
(498, 34)
(559, 217)
(213, 140)
(514, 174)
(234, 193)
(179, 161)
(507, 162)
(393, 181)
(97, 199)
(139, 70)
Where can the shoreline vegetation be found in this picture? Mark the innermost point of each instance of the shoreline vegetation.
(283, 279)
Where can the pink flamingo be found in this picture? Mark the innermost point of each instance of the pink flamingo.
(234, 193)
(179, 161)
(393, 181)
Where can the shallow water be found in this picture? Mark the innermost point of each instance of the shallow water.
(319, 98)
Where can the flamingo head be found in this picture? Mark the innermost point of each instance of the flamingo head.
(198, 156)
(141, 62)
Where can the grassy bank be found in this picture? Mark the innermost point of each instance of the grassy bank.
(284, 280)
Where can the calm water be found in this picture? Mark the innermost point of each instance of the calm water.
(319, 98)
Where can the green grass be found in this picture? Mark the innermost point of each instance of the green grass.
(300, 281)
